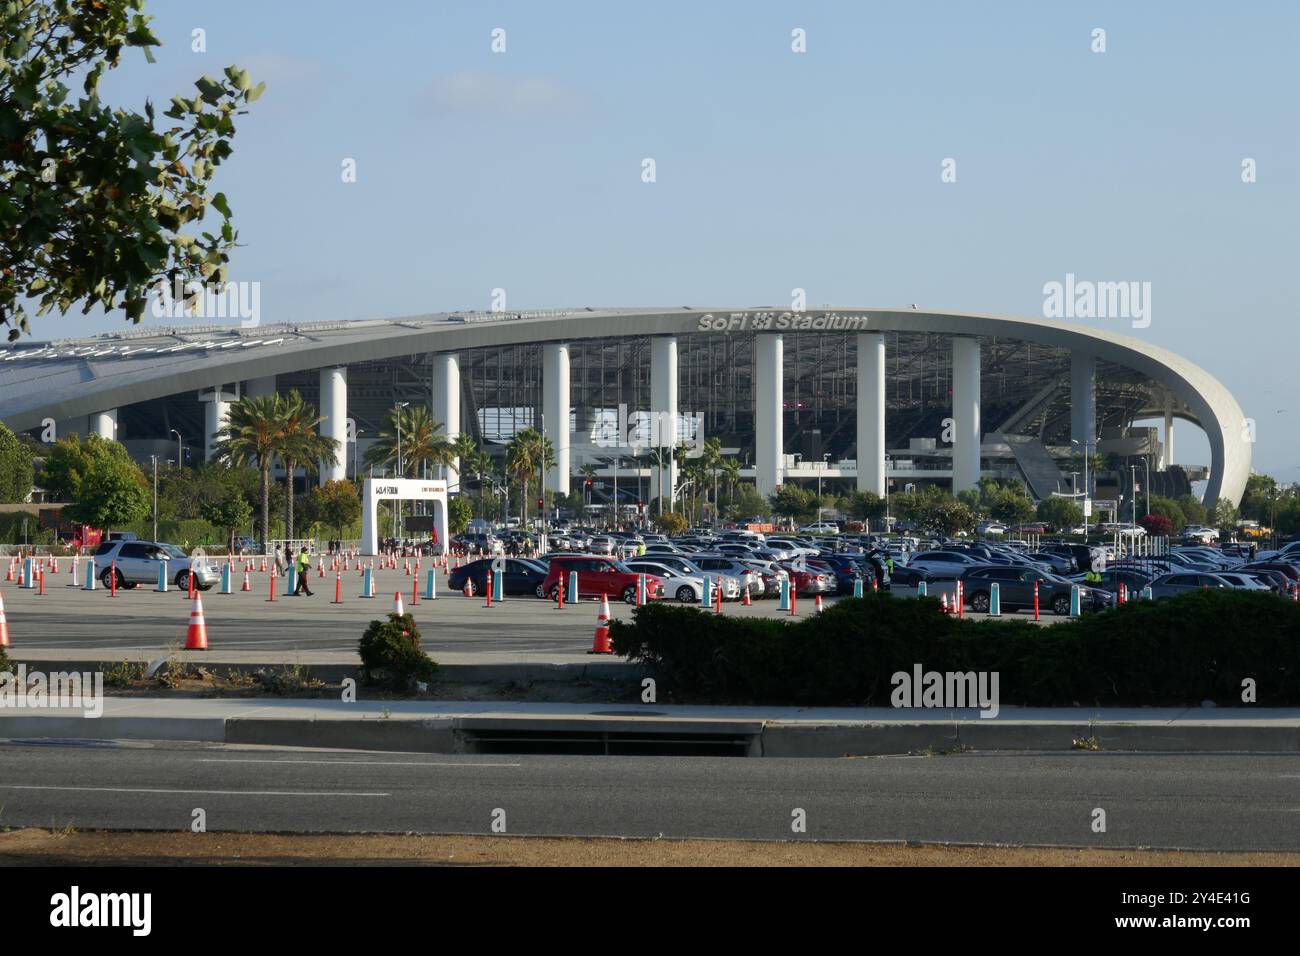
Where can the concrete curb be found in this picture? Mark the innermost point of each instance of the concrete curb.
(470, 734)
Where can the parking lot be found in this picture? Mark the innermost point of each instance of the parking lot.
(67, 616)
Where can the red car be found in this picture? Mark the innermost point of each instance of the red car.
(811, 581)
(598, 576)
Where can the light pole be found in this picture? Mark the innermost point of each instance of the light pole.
(154, 459)
(397, 516)
(1147, 462)
(355, 444)
(180, 451)
(1087, 496)
(887, 470)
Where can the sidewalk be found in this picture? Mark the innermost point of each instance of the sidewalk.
(462, 727)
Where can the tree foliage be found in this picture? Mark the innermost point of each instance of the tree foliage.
(17, 469)
(94, 199)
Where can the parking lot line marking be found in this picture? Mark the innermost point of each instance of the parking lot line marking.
(354, 763)
(226, 793)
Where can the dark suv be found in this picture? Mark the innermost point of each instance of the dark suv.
(1016, 590)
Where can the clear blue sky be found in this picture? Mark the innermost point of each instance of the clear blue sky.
(775, 170)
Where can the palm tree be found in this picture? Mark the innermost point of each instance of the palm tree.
(464, 448)
(252, 436)
(711, 459)
(588, 474)
(731, 477)
(302, 444)
(421, 441)
(527, 453)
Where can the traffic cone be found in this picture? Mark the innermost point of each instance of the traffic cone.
(469, 588)
(600, 645)
(21, 576)
(196, 638)
(745, 601)
(4, 625)
(10, 576)
(818, 604)
(247, 584)
(397, 604)
(262, 569)
(944, 598)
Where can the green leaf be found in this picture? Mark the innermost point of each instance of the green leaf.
(221, 205)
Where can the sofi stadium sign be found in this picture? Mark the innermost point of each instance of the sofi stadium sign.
(783, 322)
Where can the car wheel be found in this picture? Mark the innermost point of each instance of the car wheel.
(629, 595)
(1061, 604)
(183, 580)
(979, 602)
(555, 592)
(540, 591)
(686, 594)
(106, 578)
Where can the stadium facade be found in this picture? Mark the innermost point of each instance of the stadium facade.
(879, 397)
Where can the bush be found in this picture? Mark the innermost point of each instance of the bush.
(1177, 651)
(392, 648)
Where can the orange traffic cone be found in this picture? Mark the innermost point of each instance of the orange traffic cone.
(397, 604)
(4, 625)
(745, 601)
(469, 588)
(601, 643)
(247, 584)
(196, 638)
(262, 569)
(944, 598)
(10, 575)
(818, 603)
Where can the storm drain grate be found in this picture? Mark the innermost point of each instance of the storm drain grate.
(606, 743)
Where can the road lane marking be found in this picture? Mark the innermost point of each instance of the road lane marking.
(354, 763)
(227, 793)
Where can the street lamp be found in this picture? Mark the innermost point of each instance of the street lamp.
(1087, 491)
(356, 435)
(180, 451)
(154, 459)
(397, 517)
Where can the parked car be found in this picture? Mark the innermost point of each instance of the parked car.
(687, 588)
(944, 565)
(1016, 590)
(599, 576)
(1183, 582)
(521, 576)
(137, 562)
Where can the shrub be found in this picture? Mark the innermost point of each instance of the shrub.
(392, 647)
(1177, 651)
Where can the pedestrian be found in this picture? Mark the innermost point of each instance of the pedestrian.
(304, 572)
(280, 565)
(1252, 550)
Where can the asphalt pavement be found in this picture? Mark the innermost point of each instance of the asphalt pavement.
(1212, 802)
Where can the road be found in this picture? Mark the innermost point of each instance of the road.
(1210, 802)
(69, 617)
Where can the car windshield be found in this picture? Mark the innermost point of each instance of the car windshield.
(620, 566)
(171, 551)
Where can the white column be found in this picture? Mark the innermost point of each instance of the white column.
(871, 412)
(104, 424)
(446, 405)
(334, 420)
(1083, 399)
(769, 411)
(215, 412)
(663, 410)
(259, 387)
(965, 413)
(555, 409)
(1169, 431)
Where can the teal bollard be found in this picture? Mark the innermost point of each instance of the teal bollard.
(499, 585)
(225, 578)
(921, 589)
(90, 576)
(1075, 605)
(706, 593)
(1146, 593)
(572, 596)
(368, 583)
(291, 579)
(29, 579)
(162, 577)
(857, 587)
(995, 600)
(785, 595)
(430, 586)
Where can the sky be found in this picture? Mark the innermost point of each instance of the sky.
(774, 170)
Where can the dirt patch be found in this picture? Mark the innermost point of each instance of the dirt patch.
(100, 847)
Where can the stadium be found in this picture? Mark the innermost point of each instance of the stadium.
(875, 399)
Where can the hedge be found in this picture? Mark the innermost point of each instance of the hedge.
(1174, 652)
